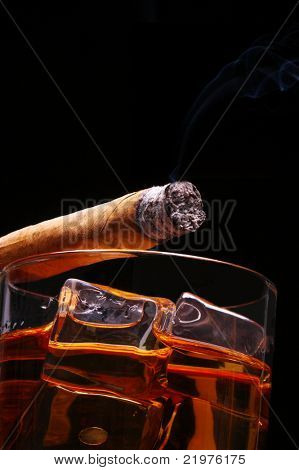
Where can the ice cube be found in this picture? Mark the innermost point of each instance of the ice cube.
(99, 305)
(198, 321)
(93, 313)
(103, 340)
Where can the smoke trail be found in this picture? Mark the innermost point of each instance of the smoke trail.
(276, 73)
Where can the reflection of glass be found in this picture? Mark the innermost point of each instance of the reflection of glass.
(136, 350)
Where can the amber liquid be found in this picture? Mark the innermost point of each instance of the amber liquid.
(124, 371)
(22, 354)
(50, 391)
(223, 404)
(218, 399)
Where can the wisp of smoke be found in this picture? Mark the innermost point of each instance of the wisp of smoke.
(278, 71)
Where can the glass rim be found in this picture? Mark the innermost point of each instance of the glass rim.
(43, 256)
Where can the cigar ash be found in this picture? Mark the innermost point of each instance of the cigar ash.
(169, 211)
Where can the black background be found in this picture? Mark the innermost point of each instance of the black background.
(132, 70)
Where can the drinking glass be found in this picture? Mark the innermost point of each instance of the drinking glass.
(135, 350)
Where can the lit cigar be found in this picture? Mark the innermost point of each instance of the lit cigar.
(138, 220)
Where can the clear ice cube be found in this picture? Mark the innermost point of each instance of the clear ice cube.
(103, 340)
(96, 304)
(196, 321)
(91, 313)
